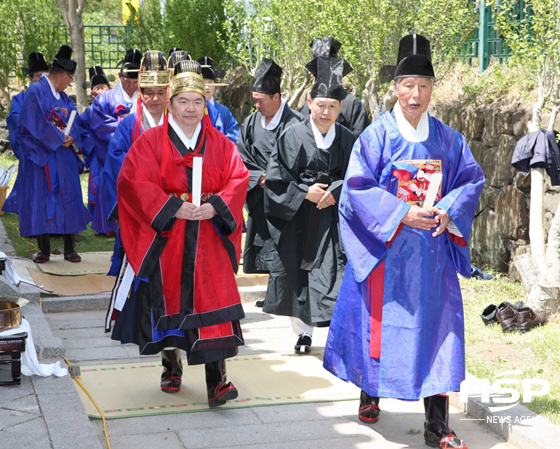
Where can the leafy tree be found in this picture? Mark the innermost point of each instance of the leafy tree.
(25, 27)
(72, 11)
(197, 26)
(368, 29)
(145, 28)
(533, 34)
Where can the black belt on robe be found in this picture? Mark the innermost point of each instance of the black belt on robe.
(310, 177)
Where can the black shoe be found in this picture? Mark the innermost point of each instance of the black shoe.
(489, 315)
(222, 393)
(303, 344)
(259, 303)
(436, 428)
(369, 408)
(172, 370)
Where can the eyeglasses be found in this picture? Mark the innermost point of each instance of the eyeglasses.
(69, 76)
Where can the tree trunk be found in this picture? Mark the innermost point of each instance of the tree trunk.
(370, 98)
(294, 100)
(77, 40)
(553, 250)
(536, 231)
(71, 11)
(7, 97)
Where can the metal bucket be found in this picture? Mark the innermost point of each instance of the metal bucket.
(10, 312)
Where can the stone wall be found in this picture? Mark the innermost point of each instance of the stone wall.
(501, 227)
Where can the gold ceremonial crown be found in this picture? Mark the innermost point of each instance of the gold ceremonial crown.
(187, 78)
(153, 71)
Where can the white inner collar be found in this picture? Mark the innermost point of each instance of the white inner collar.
(408, 131)
(129, 99)
(189, 143)
(276, 119)
(323, 142)
(53, 90)
(150, 118)
(212, 101)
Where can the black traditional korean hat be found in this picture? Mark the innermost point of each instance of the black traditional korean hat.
(131, 63)
(208, 71)
(187, 77)
(173, 50)
(414, 60)
(174, 58)
(153, 70)
(97, 77)
(36, 63)
(267, 77)
(207, 67)
(328, 73)
(324, 46)
(63, 60)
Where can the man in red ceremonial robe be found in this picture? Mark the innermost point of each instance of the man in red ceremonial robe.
(184, 256)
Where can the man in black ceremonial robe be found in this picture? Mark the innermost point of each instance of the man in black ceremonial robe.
(257, 136)
(353, 115)
(302, 188)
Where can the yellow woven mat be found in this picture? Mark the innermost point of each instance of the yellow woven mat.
(92, 263)
(88, 284)
(132, 389)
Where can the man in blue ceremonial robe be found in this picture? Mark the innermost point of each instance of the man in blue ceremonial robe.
(51, 194)
(107, 111)
(398, 327)
(98, 83)
(225, 122)
(153, 79)
(37, 67)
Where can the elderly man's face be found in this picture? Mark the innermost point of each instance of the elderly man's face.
(129, 85)
(99, 89)
(324, 112)
(414, 96)
(266, 104)
(154, 99)
(187, 109)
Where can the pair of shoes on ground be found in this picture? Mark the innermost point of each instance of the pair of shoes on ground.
(436, 430)
(303, 344)
(259, 303)
(513, 317)
(72, 257)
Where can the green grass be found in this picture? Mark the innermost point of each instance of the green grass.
(27, 247)
(490, 352)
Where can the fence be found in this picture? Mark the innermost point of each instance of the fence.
(487, 42)
(105, 44)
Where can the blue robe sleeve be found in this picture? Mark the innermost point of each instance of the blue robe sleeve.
(369, 214)
(462, 188)
(118, 149)
(227, 123)
(39, 137)
(88, 145)
(12, 120)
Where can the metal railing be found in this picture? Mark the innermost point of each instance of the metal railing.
(487, 42)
